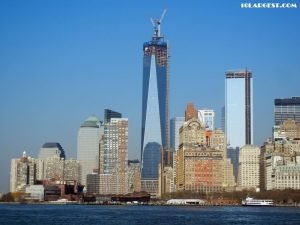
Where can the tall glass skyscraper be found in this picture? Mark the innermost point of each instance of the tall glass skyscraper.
(155, 108)
(238, 108)
(238, 113)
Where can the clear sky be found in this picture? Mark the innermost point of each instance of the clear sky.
(64, 60)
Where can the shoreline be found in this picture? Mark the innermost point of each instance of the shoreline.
(148, 204)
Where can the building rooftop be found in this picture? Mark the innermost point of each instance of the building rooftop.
(91, 121)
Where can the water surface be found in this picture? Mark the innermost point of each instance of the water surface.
(145, 215)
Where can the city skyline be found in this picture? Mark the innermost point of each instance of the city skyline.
(57, 64)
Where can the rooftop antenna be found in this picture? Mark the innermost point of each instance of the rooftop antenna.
(156, 25)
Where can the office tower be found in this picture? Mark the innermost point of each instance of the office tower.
(238, 108)
(200, 167)
(50, 149)
(114, 157)
(23, 172)
(155, 107)
(175, 125)
(108, 114)
(249, 162)
(287, 108)
(207, 118)
(238, 113)
(88, 146)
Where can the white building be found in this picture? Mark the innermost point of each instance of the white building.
(207, 118)
(24, 171)
(88, 146)
(35, 192)
(249, 163)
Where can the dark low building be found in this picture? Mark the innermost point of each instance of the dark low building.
(52, 193)
(132, 197)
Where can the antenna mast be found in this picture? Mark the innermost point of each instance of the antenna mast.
(156, 25)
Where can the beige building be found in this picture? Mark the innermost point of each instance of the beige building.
(289, 130)
(249, 173)
(113, 157)
(166, 181)
(60, 170)
(24, 171)
(134, 176)
(287, 176)
(278, 156)
(200, 158)
(229, 180)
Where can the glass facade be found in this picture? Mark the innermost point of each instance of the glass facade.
(238, 108)
(155, 113)
(287, 108)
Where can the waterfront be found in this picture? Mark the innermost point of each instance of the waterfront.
(146, 215)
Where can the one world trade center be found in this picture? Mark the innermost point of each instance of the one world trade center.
(155, 108)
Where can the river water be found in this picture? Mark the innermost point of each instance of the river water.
(144, 215)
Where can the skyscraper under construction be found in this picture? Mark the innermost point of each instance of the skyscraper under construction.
(155, 107)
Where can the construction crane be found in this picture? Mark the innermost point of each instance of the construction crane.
(156, 25)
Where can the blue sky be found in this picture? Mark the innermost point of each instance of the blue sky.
(62, 61)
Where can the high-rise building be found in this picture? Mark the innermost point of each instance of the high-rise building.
(108, 114)
(238, 113)
(114, 157)
(238, 108)
(175, 125)
(51, 149)
(155, 108)
(249, 173)
(207, 118)
(24, 171)
(88, 146)
(287, 108)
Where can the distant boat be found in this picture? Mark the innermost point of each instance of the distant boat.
(62, 201)
(257, 202)
(186, 202)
